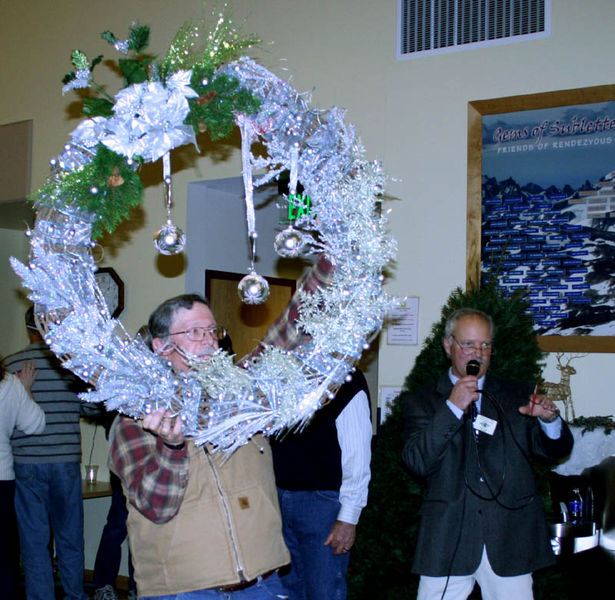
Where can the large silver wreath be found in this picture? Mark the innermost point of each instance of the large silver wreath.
(220, 402)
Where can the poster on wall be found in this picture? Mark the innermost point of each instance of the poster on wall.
(547, 216)
(403, 328)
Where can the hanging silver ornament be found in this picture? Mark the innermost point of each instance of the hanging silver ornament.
(253, 289)
(290, 242)
(169, 239)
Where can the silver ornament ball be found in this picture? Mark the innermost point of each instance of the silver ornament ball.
(169, 239)
(253, 289)
(289, 243)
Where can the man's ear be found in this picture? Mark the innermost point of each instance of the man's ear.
(447, 347)
(161, 347)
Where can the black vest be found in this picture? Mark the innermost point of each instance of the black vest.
(311, 459)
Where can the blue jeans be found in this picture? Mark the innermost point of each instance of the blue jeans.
(50, 494)
(315, 572)
(9, 541)
(109, 554)
(268, 589)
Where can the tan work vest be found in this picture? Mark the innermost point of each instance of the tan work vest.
(228, 527)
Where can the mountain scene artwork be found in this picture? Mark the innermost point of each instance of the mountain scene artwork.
(548, 214)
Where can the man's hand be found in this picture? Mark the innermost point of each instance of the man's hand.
(465, 392)
(341, 537)
(167, 427)
(541, 407)
(28, 374)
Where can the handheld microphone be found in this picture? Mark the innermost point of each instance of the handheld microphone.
(473, 367)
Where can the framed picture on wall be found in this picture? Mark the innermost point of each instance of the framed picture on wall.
(541, 210)
(246, 324)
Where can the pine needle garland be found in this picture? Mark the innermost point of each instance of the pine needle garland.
(106, 183)
(107, 187)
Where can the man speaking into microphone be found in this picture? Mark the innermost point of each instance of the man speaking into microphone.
(470, 435)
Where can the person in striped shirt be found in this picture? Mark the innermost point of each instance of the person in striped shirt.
(48, 475)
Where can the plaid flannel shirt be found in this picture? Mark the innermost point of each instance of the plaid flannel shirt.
(154, 475)
(284, 332)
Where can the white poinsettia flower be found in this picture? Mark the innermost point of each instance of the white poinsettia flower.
(179, 83)
(89, 132)
(155, 96)
(129, 100)
(125, 137)
(159, 141)
(164, 122)
(149, 118)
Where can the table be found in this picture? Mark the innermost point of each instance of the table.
(100, 489)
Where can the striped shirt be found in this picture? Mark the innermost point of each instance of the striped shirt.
(55, 391)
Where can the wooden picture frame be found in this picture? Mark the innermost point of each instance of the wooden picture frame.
(245, 323)
(477, 111)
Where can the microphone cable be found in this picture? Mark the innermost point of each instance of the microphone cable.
(458, 540)
(495, 496)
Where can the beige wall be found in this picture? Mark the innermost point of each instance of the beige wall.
(12, 296)
(411, 114)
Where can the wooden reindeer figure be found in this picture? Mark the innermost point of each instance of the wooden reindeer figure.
(560, 392)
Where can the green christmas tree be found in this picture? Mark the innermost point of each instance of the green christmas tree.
(386, 536)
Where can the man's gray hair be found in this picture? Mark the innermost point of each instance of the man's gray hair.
(161, 319)
(464, 312)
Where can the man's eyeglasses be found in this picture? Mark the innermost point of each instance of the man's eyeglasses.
(197, 334)
(469, 347)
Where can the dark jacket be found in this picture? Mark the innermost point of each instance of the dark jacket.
(311, 459)
(479, 493)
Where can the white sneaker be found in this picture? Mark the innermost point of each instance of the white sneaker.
(105, 593)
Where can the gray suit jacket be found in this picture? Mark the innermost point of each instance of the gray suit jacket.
(479, 493)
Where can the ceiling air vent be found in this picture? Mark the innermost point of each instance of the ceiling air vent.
(428, 27)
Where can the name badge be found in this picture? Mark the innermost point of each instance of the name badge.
(485, 424)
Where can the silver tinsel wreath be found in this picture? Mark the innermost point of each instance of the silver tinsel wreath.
(220, 402)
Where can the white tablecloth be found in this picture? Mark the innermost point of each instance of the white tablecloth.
(590, 449)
